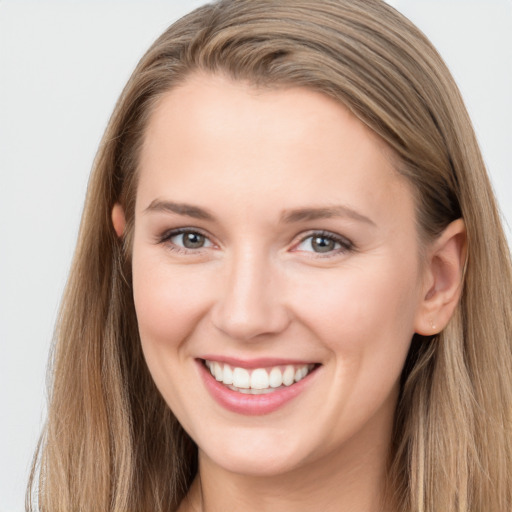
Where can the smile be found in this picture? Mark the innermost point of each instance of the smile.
(258, 381)
(256, 387)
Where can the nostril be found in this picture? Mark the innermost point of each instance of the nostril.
(250, 323)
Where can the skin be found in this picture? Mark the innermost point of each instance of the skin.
(258, 288)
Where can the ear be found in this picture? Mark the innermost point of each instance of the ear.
(444, 271)
(118, 219)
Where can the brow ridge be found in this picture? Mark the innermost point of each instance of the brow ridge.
(159, 205)
(287, 216)
(324, 212)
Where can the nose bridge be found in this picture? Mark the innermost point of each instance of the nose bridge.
(250, 302)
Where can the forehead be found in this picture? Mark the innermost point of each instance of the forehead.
(215, 137)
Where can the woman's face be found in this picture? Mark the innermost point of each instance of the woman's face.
(273, 243)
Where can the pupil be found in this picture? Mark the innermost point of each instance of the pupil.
(322, 244)
(193, 240)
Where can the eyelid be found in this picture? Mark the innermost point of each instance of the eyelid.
(346, 244)
(166, 236)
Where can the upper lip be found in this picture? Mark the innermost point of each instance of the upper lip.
(260, 362)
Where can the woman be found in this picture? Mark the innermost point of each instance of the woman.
(291, 288)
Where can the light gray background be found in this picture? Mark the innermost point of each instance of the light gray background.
(62, 66)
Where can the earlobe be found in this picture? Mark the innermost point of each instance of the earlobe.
(444, 279)
(118, 219)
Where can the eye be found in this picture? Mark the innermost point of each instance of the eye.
(186, 239)
(324, 242)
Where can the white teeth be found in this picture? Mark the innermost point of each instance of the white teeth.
(217, 371)
(259, 380)
(288, 375)
(300, 373)
(241, 378)
(275, 378)
(228, 375)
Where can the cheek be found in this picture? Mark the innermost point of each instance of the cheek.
(169, 305)
(365, 307)
(365, 318)
(169, 300)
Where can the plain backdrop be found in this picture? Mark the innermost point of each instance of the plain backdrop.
(62, 66)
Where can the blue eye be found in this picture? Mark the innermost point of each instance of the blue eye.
(323, 243)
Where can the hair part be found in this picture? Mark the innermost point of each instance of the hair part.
(111, 443)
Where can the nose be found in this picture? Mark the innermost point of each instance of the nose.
(251, 302)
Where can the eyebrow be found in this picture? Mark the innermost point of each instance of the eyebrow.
(307, 214)
(287, 217)
(179, 208)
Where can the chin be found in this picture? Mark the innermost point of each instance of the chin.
(256, 458)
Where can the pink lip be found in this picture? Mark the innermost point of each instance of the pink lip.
(251, 405)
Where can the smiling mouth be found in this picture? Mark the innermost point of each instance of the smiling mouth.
(258, 381)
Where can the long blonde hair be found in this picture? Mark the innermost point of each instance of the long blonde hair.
(112, 444)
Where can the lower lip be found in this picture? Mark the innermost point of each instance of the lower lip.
(252, 405)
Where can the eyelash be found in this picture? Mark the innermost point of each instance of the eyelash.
(168, 235)
(345, 244)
